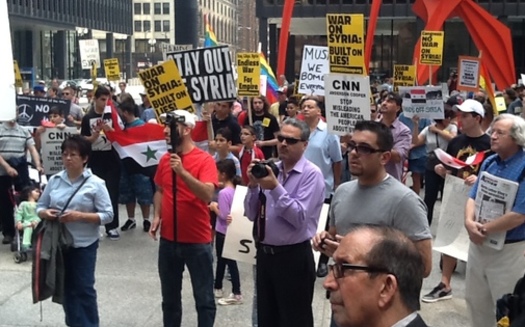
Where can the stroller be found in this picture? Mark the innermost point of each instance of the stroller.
(20, 255)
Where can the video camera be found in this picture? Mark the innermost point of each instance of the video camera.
(171, 121)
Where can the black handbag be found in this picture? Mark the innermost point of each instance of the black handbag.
(432, 159)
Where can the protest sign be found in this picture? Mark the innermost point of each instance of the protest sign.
(423, 101)
(166, 47)
(89, 53)
(404, 75)
(451, 237)
(112, 69)
(501, 106)
(207, 72)
(7, 87)
(347, 101)
(264, 84)
(314, 66)
(468, 73)
(165, 88)
(32, 110)
(495, 197)
(431, 48)
(18, 77)
(248, 74)
(346, 43)
(51, 140)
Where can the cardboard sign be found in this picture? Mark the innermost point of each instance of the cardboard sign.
(346, 43)
(248, 74)
(7, 87)
(423, 101)
(451, 237)
(347, 102)
(89, 53)
(52, 139)
(18, 77)
(468, 73)
(112, 69)
(165, 88)
(314, 66)
(431, 48)
(32, 110)
(404, 75)
(207, 72)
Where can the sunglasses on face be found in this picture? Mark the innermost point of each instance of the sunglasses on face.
(289, 140)
(362, 148)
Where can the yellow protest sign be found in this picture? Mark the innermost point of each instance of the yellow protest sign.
(431, 48)
(404, 75)
(500, 104)
(112, 69)
(94, 75)
(346, 43)
(165, 88)
(248, 74)
(18, 77)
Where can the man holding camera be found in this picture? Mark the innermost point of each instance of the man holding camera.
(284, 201)
(181, 212)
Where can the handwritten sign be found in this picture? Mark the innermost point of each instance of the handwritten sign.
(248, 74)
(431, 48)
(347, 102)
(313, 68)
(346, 43)
(112, 69)
(468, 73)
(423, 101)
(52, 139)
(89, 53)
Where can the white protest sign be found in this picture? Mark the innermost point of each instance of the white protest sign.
(264, 84)
(52, 139)
(347, 100)
(166, 47)
(314, 67)
(89, 52)
(468, 75)
(452, 237)
(522, 80)
(423, 101)
(207, 73)
(7, 82)
(239, 244)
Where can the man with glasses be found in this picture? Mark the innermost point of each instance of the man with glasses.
(285, 206)
(376, 279)
(74, 119)
(375, 197)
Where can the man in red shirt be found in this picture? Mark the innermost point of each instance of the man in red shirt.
(185, 237)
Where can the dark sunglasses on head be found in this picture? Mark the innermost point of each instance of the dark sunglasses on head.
(362, 148)
(289, 140)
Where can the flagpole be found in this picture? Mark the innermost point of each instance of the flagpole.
(250, 118)
(209, 124)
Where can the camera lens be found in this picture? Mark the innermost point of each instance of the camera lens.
(259, 170)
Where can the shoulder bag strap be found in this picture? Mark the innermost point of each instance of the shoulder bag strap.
(72, 195)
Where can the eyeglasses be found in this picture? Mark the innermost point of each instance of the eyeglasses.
(362, 148)
(289, 140)
(339, 269)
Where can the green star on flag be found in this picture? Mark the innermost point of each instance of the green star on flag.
(150, 154)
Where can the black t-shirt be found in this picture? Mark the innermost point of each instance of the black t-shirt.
(463, 146)
(282, 108)
(103, 155)
(231, 123)
(265, 127)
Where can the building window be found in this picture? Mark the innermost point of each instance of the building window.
(165, 8)
(165, 25)
(156, 9)
(147, 26)
(158, 27)
(137, 8)
(138, 26)
(141, 45)
(146, 9)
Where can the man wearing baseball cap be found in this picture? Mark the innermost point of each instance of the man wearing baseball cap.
(39, 91)
(185, 234)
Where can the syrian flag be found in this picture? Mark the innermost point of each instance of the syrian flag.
(140, 148)
(450, 161)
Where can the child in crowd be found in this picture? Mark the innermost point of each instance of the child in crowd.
(55, 118)
(229, 179)
(223, 141)
(249, 151)
(25, 216)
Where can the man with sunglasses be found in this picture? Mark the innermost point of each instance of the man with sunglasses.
(376, 279)
(285, 210)
(74, 119)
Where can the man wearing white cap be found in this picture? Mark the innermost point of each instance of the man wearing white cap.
(182, 213)
(471, 140)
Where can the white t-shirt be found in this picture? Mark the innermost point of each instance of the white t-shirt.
(433, 140)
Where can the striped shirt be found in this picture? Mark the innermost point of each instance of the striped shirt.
(14, 142)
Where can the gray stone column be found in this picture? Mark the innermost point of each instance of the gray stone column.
(60, 56)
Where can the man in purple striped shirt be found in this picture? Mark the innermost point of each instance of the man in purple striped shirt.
(285, 210)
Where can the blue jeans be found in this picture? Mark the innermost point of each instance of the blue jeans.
(80, 297)
(173, 257)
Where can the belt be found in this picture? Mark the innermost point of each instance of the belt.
(513, 241)
(276, 249)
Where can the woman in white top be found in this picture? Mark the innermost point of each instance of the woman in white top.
(434, 136)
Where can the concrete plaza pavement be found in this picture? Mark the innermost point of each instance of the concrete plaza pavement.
(129, 291)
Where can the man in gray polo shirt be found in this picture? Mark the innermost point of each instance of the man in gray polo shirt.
(74, 119)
